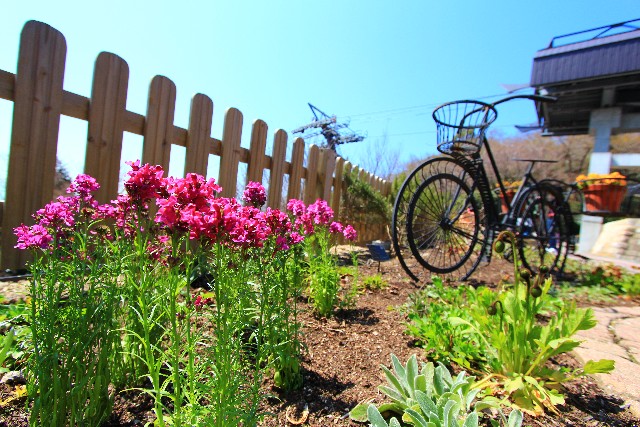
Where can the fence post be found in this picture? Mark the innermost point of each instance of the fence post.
(38, 97)
(255, 168)
(278, 162)
(297, 169)
(200, 119)
(230, 157)
(106, 124)
(158, 125)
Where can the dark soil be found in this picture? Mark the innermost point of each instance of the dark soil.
(342, 361)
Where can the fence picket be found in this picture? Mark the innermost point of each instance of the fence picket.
(296, 170)
(278, 162)
(38, 98)
(231, 137)
(158, 126)
(311, 181)
(199, 135)
(255, 167)
(337, 187)
(106, 124)
(326, 174)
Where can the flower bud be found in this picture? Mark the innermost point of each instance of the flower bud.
(525, 274)
(492, 310)
(536, 291)
(499, 246)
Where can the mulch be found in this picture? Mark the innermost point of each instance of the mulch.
(341, 366)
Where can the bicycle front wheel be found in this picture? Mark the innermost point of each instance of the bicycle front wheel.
(429, 168)
(444, 227)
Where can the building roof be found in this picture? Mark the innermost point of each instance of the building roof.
(588, 73)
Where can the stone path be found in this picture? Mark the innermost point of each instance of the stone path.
(616, 337)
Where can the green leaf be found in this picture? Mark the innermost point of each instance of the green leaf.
(391, 407)
(471, 420)
(587, 319)
(394, 422)
(375, 418)
(563, 345)
(428, 371)
(602, 366)
(438, 384)
(512, 385)
(401, 373)
(416, 418)
(411, 373)
(555, 398)
(393, 394)
(426, 404)
(420, 383)
(515, 418)
(394, 381)
(359, 413)
(451, 410)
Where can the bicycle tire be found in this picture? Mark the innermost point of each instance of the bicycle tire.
(444, 228)
(422, 172)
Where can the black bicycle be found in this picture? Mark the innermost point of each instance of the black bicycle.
(446, 214)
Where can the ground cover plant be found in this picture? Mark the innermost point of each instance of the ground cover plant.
(602, 282)
(429, 397)
(518, 329)
(112, 308)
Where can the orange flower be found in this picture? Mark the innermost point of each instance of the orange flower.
(614, 178)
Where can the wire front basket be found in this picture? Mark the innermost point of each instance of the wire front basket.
(461, 126)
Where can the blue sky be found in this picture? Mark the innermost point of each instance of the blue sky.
(383, 64)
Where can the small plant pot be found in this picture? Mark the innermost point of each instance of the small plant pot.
(603, 197)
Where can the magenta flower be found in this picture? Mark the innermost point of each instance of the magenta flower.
(336, 227)
(282, 243)
(278, 221)
(321, 212)
(145, 182)
(32, 237)
(58, 215)
(255, 194)
(248, 228)
(350, 233)
(84, 185)
(296, 207)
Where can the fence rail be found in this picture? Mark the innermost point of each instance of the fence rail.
(39, 100)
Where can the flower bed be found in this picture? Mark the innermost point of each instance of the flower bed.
(112, 308)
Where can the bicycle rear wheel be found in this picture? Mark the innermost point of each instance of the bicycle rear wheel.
(543, 229)
(414, 269)
(444, 228)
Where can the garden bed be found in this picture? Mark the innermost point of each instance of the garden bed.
(341, 366)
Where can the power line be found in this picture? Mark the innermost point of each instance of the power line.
(418, 107)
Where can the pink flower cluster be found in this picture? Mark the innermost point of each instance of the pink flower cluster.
(254, 194)
(185, 206)
(318, 214)
(58, 218)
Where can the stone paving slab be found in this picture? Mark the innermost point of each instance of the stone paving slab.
(616, 337)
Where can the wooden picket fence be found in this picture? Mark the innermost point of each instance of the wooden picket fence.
(39, 101)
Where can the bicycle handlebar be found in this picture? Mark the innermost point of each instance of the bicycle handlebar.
(540, 98)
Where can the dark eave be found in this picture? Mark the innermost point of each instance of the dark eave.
(586, 76)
